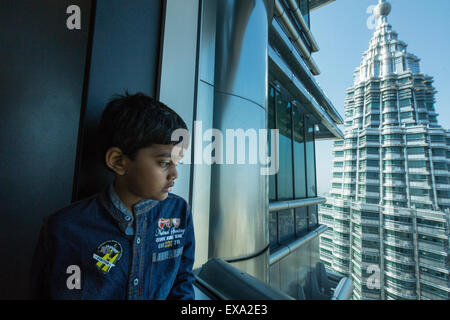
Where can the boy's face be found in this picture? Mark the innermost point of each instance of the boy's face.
(152, 173)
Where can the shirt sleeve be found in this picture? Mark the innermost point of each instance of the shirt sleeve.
(182, 288)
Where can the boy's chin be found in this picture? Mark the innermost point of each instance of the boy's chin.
(161, 196)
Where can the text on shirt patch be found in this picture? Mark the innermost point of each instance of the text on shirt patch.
(107, 253)
(168, 234)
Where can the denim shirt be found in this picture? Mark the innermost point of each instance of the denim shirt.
(114, 254)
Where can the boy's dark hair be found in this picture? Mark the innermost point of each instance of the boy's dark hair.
(132, 122)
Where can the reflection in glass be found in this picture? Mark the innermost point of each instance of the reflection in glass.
(271, 125)
(286, 225)
(273, 230)
(299, 154)
(312, 217)
(301, 221)
(310, 160)
(285, 148)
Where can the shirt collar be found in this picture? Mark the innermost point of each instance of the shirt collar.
(120, 212)
(141, 207)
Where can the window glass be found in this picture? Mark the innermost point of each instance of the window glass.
(299, 154)
(312, 217)
(286, 225)
(310, 160)
(273, 230)
(271, 125)
(301, 221)
(284, 176)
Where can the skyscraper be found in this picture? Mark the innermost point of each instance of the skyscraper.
(389, 206)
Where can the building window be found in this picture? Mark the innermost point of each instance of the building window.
(301, 221)
(271, 125)
(286, 228)
(299, 154)
(283, 121)
(296, 177)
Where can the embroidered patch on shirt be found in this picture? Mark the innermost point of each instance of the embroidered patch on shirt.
(168, 234)
(164, 223)
(107, 254)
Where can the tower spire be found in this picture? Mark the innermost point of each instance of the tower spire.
(382, 10)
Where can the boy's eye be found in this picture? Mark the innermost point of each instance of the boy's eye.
(164, 164)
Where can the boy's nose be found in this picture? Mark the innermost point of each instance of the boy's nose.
(173, 173)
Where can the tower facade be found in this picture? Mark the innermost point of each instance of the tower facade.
(388, 209)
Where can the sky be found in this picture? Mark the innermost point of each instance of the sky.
(342, 33)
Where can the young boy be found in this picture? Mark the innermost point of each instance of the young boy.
(134, 240)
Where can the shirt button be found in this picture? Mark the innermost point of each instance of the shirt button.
(138, 240)
(136, 281)
(128, 218)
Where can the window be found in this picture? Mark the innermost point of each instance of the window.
(271, 125)
(296, 177)
(313, 220)
(404, 103)
(441, 179)
(310, 160)
(431, 239)
(417, 150)
(416, 136)
(438, 152)
(431, 223)
(439, 165)
(397, 163)
(418, 177)
(418, 164)
(419, 205)
(283, 120)
(394, 176)
(419, 192)
(443, 194)
(401, 190)
(398, 219)
(389, 103)
(301, 221)
(405, 115)
(437, 139)
(398, 234)
(299, 154)
(286, 225)
(393, 150)
(392, 137)
(423, 116)
(373, 106)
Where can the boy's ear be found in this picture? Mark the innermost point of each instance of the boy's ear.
(116, 160)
